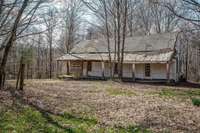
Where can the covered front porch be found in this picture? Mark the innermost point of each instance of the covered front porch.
(136, 66)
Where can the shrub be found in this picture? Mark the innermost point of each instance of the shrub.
(196, 102)
(65, 76)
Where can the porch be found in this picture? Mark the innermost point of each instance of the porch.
(155, 72)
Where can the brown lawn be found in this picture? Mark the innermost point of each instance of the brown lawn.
(159, 108)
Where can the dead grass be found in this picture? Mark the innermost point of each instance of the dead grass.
(159, 108)
(119, 91)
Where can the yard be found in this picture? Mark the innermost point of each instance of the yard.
(99, 106)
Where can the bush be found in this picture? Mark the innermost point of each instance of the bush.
(65, 76)
(196, 102)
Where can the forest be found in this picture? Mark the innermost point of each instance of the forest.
(35, 33)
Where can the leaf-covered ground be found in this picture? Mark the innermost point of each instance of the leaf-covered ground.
(103, 106)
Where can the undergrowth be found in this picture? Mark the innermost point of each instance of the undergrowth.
(25, 119)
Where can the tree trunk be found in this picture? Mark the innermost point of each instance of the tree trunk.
(4, 61)
(50, 57)
(27, 71)
(9, 44)
(38, 59)
(20, 76)
(47, 64)
(118, 35)
(21, 85)
(19, 73)
(123, 38)
(108, 38)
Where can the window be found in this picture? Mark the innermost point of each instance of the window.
(147, 70)
(116, 68)
(89, 66)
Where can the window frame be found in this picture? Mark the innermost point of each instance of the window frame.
(147, 70)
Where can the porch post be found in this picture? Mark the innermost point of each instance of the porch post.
(103, 69)
(69, 65)
(133, 72)
(57, 65)
(168, 71)
(86, 69)
(82, 73)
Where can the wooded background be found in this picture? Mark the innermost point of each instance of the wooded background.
(39, 31)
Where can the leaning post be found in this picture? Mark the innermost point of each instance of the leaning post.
(168, 71)
(57, 68)
(133, 72)
(103, 69)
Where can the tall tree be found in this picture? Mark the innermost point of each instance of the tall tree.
(10, 42)
(50, 21)
(110, 12)
(125, 13)
(102, 10)
(72, 18)
(21, 22)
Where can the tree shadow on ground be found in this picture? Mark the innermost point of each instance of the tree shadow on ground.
(49, 116)
(78, 119)
(180, 84)
(18, 95)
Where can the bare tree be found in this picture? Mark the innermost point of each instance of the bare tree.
(102, 10)
(125, 13)
(164, 20)
(20, 24)
(10, 42)
(143, 18)
(107, 36)
(50, 22)
(72, 18)
(190, 9)
(26, 57)
(109, 13)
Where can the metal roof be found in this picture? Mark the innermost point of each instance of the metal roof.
(161, 57)
(143, 49)
(132, 44)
